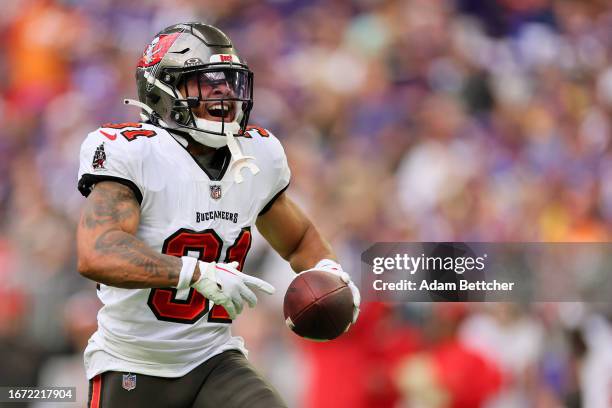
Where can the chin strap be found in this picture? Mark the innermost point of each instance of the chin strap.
(240, 161)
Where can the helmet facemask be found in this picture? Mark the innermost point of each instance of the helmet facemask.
(212, 101)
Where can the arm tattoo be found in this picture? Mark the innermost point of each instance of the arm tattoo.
(110, 218)
(136, 253)
(113, 203)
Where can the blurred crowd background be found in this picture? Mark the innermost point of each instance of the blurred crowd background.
(407, 120)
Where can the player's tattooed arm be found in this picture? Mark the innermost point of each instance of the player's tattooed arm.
(293, 235)
(108, 250)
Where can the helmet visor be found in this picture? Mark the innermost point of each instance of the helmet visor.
(217, 84)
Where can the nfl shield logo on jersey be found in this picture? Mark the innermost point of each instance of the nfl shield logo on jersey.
(215, 192)
(99, 158)
(129, 381)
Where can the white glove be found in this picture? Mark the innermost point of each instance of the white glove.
(226, 286)
(327, 265)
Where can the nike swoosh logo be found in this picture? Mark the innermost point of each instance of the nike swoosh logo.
(111, 137)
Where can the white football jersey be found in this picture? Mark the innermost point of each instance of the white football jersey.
(183, 211)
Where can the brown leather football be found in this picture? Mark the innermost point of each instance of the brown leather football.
(318, 306)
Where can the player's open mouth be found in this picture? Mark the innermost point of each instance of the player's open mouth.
(221, 110)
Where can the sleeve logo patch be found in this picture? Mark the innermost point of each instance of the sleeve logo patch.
(99, 158)
(109, 135)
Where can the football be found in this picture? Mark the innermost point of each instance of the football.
(318, 306)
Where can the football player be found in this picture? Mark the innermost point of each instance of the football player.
(166, 227)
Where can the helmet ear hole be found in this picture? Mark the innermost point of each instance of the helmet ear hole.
(167, 78)
(180, 116)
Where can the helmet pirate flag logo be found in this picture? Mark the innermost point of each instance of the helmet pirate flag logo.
(99, 157)
(215, 192)
(157, 49)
